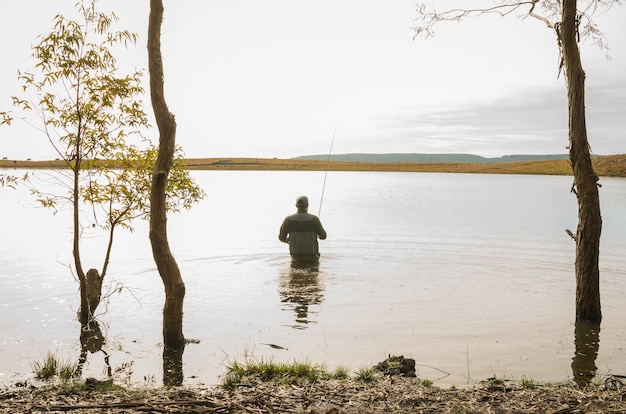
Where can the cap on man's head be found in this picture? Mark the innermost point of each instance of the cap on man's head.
(302, 201)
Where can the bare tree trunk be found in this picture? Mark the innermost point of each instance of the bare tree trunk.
(84, 316)
(166, 264)
(585, 179)
(93, 290)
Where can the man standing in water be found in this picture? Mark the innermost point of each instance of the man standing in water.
(300, 231)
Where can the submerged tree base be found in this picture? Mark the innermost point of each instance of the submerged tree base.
(386, 394)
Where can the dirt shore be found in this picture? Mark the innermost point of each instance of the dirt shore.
(385, 395)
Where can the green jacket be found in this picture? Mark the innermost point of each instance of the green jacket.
(301, 231)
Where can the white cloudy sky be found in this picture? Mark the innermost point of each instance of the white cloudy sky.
(249, 78)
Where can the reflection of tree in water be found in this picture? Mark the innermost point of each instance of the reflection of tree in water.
(587, 343)
(92, 341)
(173, 366)
(300, 287)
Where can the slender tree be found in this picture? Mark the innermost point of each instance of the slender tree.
(166, 263)
(87, 111)
(585, 179)
(569, 24)
(90, 113)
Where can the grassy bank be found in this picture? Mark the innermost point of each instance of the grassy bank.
(269, 386)
(605, 166)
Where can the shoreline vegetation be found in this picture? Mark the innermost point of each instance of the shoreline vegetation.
(605, 166)
(269, 386)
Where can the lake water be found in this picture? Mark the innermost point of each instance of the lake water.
(470, 275)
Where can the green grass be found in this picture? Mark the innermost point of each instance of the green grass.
(47, 368)
(52, 366)
(340, 373)
(269, 370)
(287, 372)
(366, 374)
(274, 371)
(528, 383)
(493, 382)
(68, 371)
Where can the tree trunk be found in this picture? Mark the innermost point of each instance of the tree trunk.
(93, 290)
(166, 264)
(585, 179)
(84, 315)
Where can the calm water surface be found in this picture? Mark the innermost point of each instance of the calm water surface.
(470, 275)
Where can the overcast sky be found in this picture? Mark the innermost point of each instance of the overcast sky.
(249, 78)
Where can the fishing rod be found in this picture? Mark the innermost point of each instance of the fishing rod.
(332, 141)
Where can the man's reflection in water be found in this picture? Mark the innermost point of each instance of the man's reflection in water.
(587, 343)
(91, 341)
(300, 287)
(173, 366)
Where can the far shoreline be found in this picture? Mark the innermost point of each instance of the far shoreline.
(605, 166)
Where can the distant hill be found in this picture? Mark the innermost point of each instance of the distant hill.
(456, 158)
